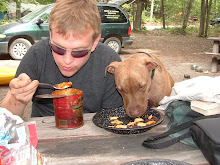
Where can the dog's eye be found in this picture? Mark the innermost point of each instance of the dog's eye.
(120, 90)
(142, 87)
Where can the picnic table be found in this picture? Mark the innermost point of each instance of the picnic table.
(93, 145)
(215, 53)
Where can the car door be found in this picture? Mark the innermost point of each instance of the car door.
(43, 24)
(113, 21)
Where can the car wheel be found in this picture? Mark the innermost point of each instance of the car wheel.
(114, 43)
(18, 48)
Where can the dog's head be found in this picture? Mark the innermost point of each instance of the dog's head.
(133, 81)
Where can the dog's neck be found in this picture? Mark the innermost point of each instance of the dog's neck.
(153, 71)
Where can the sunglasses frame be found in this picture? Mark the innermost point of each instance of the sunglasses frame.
(75, 54)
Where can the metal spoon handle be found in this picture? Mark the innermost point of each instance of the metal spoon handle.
(49, 96)
(46, 84)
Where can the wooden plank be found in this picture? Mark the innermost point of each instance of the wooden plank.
(214, 65)
(90, 144)
(115, 151)
(214, 38)
(212, 53)
(47, 131)
(215, 53)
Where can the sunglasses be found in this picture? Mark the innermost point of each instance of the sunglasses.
(61, 51)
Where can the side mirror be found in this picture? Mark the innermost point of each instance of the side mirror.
(39, 21)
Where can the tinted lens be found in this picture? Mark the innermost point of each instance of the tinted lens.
(57, 50)
(62, 51)
(79, 54)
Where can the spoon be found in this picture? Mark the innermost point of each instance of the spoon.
(50, 96)
(54, 86)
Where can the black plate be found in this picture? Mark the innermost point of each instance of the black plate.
(156, 162)
(101, 119)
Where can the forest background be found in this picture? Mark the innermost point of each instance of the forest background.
(178, 13)
(178, 44)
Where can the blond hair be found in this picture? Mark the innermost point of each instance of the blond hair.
(75, 16)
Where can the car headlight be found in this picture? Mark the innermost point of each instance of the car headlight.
(2, 35)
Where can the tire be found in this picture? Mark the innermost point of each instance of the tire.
(114, 43)
(18, 48)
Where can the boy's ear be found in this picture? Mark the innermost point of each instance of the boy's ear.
(96, 42)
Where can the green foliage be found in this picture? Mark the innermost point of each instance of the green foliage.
(144, 29)
(3, 6)
(214, 31)
(27, 1)
(175, 30)
(2, 22)
(128, 10)
(45, 2)
(190, 30)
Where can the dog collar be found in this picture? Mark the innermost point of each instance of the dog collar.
(153, 71)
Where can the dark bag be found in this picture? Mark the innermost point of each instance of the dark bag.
(180, 112)
(204, 131)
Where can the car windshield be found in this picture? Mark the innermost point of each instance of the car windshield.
(33, 14)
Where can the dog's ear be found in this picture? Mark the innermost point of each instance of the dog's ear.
(111, 67)
(153, 65)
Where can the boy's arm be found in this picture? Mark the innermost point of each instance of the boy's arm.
(20, 94)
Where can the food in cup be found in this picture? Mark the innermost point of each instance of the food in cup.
(68, 110)
(65, 85)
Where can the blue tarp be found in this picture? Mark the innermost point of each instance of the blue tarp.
(2, 16)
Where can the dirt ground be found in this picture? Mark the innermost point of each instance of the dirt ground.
(177, 53)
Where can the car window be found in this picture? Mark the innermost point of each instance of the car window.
(33, 14)
(111, 15)
(45, 17)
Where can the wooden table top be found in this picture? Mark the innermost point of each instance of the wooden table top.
(92, 145)
(214, 38)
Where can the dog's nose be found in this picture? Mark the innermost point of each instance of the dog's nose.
(135, 113)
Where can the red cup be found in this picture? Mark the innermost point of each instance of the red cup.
(68, 110)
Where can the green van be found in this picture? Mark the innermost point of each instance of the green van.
(18, 36)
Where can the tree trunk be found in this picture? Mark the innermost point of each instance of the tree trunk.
(202, 18)
(209, 5)
(214, 13)
(133, 13)
(163, 15)
(137, 22)
(18, 9)
(186, 18)
(152, 10)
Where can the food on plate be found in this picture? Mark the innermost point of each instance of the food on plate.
(117, 122)
(141, 124)
(121, 126)
(150, 117)
(150, 122)
(136, 120)
(64, 85)
(113, 118)
(130, 124)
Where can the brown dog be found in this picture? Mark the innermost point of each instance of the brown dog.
(139, 78)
